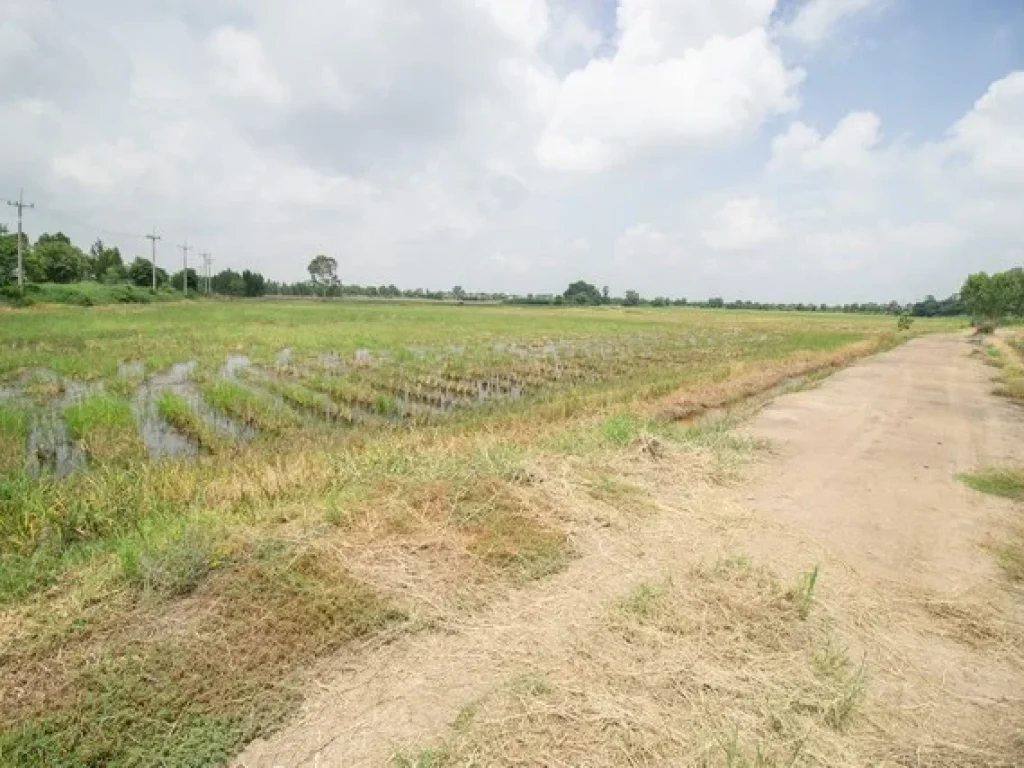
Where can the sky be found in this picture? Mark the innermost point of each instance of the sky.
(774, 150)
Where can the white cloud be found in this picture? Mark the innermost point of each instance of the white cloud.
(849, 147)
(817, 20)
(689, 74)
(992, 134)
(244, 70)
(441, 145)
(743, 224)
(852, 217)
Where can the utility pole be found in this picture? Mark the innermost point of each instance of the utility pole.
(207, 262)
(153, 238)
(21, 205)
(185, 248)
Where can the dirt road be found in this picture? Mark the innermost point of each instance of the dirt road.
(860, 479)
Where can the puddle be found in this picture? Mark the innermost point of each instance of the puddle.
(284, 356)
(161, 439)
(330, 361)
(234, 364)
(363, 356)
(179, 373)
(50, 448)
(76, 391)
(131, 369)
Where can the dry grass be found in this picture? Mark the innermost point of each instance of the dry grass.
(140, 688)
(745, 380)
(718, 668)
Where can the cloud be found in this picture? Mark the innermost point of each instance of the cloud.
(688, 75)
(743, 224)
(817, 20)
(847, 216)
(500, 145)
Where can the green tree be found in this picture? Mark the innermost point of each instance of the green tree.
(582, 292)
(979, 297)
(227, 282)
(632, 299)
(179, 277)
(140, 273)
(323, 272)
(9, 255)
(106, 263)
(58, 260)
(253, 284)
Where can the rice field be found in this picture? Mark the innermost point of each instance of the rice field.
(195, 380)
(305, 474)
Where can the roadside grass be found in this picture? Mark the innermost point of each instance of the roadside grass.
(1005, 355)
(13, 438)
(200, 689)
(1009, 484)
(250, 407)
(105, 427)
(718, 667)
(179, 413)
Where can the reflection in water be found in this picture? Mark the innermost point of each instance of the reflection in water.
(50, 448)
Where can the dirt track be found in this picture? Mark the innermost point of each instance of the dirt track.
(861, 479)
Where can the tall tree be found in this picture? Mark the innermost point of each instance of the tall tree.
(582, 292)
(323, 272)
(58, 260)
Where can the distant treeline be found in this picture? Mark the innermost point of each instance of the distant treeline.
(54, 259)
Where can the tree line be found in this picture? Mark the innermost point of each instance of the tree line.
(53, 258)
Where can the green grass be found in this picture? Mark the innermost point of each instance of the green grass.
(248, 406)
(13, 437)
(90, 294)
(1008, 483)
(173, 701)
(106, 428)
(178, 412)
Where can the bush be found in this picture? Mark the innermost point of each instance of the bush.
(904, 322)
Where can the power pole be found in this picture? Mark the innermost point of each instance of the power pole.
(21, 205)
(207, 262)
(185, 248)
(153, 238)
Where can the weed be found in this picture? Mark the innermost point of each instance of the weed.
(619, 494)
(106, 428)
(179, 413)
(172, 700)
(802, 594)
(1008, 483)
(248, 406)
(13, 436)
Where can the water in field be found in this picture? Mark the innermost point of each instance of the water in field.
(50, 448)
(160, 438)
(234, 364)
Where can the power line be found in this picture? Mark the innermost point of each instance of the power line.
(21, 205)
(153, 238)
